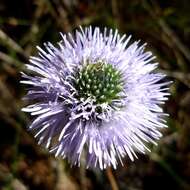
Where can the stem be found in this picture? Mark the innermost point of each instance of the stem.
(111, 179)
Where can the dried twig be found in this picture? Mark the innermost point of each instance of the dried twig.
(11, 61)
(57, 11)
(12, 44)
(167, 29)
(183, 77)
(174, 38)
(165, 165)
(115, 12)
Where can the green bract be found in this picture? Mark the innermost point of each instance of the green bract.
(99, 81)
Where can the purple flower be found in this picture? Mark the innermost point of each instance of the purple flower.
(95, 94)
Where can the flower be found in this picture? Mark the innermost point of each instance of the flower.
(95, 94)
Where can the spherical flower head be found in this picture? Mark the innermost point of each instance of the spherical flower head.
(97, 95)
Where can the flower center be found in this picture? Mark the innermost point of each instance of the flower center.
(99, 81)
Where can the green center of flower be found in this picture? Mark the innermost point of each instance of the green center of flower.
(100, 81)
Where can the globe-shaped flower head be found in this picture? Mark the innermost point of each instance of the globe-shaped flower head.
(95, 94)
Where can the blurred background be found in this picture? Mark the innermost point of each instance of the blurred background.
(163, 24)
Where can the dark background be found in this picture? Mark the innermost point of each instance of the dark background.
(164, 25)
